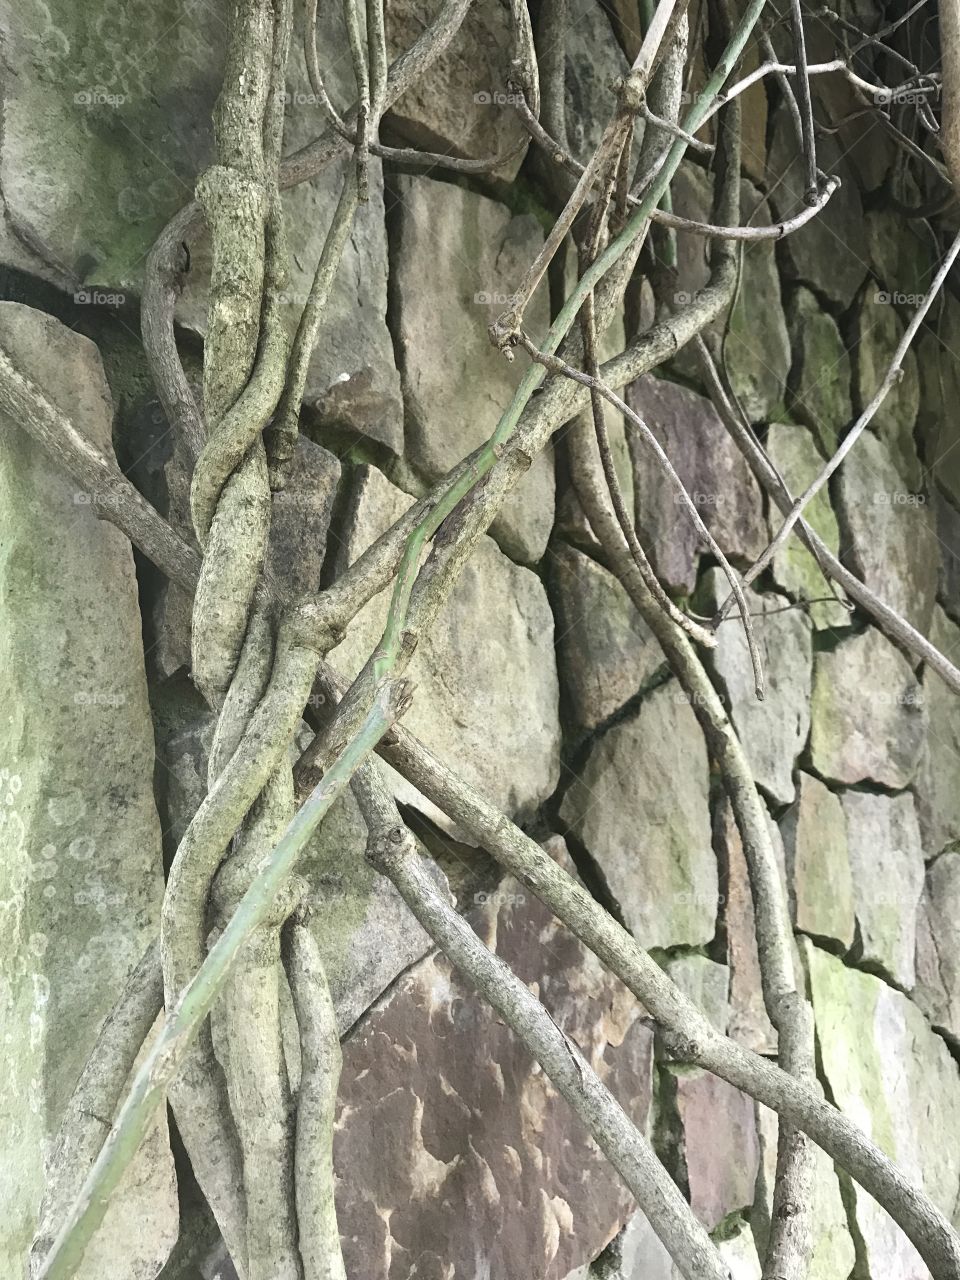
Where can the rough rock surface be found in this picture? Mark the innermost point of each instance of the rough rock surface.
(366, 933)
(948, 532)
(757, 357)
(899, 255)
(440, 1106)
(462, 105)
(704, 982)
(879, 330)
(82, 868)
(825, 254)
(101, 146)
(774, 731)
(819, 384)
(455, 382)
(795, 571)
(818, 863)
(485, 696)
(886, 861)
(938, 945)
(939, 396)
(868, 720)
(605, 650)
(938, 778)
(721, 1154)
(640, 807)
(594, 61)
(714, 474)
(895, 1078)
(888, 534)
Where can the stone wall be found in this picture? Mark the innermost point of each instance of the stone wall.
(455, 1157)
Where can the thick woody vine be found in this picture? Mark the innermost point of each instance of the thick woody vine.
(234, 910)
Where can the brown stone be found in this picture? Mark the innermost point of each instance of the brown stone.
(443, 1113)
(720, 1148)
(713, 472)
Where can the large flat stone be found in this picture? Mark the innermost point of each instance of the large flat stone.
(827, 253)
(819, 385)
(704, 982)
(594, 61)
(82, 872)
(713, 472)
(605, 650)
(640, 807)
(938, 946)
(888, 533)
(939, 396)
(486, 693)
(106, 126)
(455, 383)
(757, 357)
(818, 863)
(720, 1151)
(878, 333)
(868, 721)
(937, 785)
(462, 105)
(886, 862)
(772, 732)
(440, 1106)
(795, 571)
(365, 932)
(896, 1079)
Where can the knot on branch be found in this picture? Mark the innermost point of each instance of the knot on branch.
(681, 1047)
(388, 848)
(630, 93)
(315, 623)
(505, 332)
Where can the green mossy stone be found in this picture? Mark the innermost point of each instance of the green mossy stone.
(799, 462)
(819, 392)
